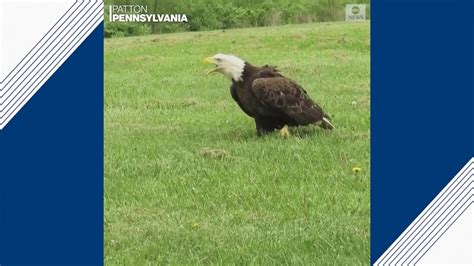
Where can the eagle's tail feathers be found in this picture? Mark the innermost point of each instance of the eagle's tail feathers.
(326, 124)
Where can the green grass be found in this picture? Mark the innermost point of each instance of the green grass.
(187, 180)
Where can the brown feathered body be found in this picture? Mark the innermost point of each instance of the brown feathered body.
(275, 101)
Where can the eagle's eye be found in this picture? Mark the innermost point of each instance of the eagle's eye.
(218, 60)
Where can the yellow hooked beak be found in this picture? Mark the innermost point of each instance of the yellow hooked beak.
(210, 60)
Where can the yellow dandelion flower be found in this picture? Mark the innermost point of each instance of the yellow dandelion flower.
(356, 169)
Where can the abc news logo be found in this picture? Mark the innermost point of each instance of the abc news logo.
(355, 12)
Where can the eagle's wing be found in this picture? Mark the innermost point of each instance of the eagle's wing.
(286, 96)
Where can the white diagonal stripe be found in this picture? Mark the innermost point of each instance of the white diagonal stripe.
(433, 221)
(42, 44)
(49, 54)
(53, 47)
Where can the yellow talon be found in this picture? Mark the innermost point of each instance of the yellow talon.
(284, 132)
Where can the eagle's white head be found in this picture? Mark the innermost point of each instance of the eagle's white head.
(230, 66)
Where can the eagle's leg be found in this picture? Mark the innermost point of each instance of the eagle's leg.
(284, 132)
(266, 125)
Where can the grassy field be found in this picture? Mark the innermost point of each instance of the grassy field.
(187, 180)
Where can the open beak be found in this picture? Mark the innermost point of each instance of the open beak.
(210, 60)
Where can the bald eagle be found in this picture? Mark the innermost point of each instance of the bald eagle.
(264, 94)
